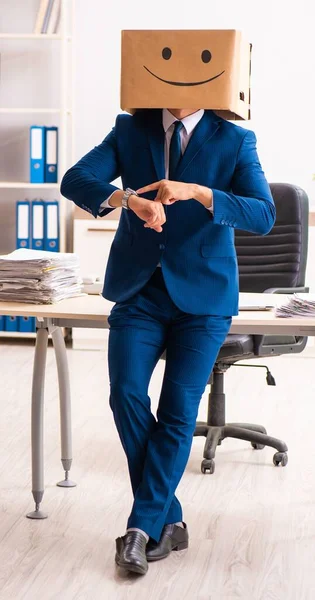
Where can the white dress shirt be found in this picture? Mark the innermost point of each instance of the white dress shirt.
(186, 132)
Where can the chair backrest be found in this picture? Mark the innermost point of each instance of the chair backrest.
(279, 258)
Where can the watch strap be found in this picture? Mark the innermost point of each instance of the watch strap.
(127, 193)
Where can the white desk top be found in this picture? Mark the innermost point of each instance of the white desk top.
(95, 308)
(89, 307)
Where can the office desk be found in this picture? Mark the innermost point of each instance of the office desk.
(92, 311)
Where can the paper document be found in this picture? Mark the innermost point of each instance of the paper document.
(255, 302)
(39, 277)
(297, 305)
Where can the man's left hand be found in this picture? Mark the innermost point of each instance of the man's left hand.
(169, 192)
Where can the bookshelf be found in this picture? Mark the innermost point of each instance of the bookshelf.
(57, 49)
(48, 111)
(32, 36)
(27, 185)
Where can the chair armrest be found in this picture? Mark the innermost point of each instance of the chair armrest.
(289, 290)
(269, 345)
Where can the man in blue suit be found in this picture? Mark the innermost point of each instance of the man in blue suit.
(172, 272)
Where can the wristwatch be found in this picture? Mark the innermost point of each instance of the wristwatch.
(124, 201)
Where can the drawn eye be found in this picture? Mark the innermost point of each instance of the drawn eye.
(166, 53)
(206, 56)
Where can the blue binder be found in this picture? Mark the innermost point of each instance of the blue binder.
(25, 324)
(51, 162)
(11, 323)
(1, 323)
(23, 237)
(37, 154)
(51, 241)
(37, 227)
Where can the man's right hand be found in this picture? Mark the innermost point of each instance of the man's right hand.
(151, 212)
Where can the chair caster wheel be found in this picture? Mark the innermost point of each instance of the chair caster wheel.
(280, 458)
(257, 446)
(208, 464)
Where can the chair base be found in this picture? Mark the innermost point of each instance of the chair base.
(256, 434)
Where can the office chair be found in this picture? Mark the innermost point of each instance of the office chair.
(275, 263)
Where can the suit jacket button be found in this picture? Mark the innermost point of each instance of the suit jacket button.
(162, 247)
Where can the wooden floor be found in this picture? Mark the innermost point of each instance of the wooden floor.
(252, 525)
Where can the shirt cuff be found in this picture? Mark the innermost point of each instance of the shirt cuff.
(210, 207)
(106, 204)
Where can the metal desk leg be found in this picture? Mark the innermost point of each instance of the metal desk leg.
(38, 422)
(65, 404)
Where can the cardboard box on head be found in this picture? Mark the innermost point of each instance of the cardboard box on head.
(186, 69)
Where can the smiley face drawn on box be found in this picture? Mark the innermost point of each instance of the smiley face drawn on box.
(205, 56)
(185, 69)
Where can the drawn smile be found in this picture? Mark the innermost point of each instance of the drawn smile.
(183, 83)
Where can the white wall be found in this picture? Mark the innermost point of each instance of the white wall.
(283, 73)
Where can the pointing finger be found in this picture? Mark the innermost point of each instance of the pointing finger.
(149, 188)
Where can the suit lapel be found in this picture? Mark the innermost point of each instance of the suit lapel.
(203, 132)
(156, 137)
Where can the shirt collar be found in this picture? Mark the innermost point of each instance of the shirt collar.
(189, 122)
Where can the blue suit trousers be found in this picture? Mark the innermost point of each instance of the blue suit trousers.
(157, 449)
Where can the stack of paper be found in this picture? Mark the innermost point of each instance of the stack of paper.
(39, 277)
(298, 305)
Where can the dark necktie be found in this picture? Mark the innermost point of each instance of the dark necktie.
(175, 150)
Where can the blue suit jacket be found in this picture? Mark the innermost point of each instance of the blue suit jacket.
(196, 249)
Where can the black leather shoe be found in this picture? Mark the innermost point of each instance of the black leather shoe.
(130, 552)
(173, 537)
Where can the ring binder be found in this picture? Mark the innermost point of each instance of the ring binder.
(51, 161)
(37, 224)
(51, 240)
(23, 224)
